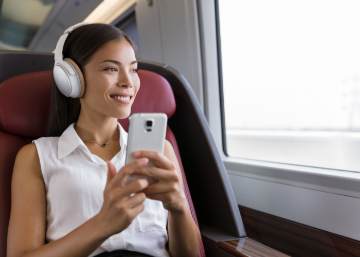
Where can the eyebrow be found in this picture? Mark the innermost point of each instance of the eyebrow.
(117, 62)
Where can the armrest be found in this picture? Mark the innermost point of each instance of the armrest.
(220, 243)
(245, 247)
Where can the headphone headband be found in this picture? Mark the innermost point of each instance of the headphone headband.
(60, 44)
(68, 76)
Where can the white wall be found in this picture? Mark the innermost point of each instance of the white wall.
(169, 34)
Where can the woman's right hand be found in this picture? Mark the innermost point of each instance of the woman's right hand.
(119, 208)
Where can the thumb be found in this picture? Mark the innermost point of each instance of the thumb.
(111, 171)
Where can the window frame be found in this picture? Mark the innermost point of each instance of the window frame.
(284, 166)
(225, 136)
(221, 87)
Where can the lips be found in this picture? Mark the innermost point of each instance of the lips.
(122, 98)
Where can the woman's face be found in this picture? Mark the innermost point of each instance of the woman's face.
(111, 80)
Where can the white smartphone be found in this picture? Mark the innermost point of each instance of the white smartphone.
(147, 133)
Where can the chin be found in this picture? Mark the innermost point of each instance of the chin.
(123, 115)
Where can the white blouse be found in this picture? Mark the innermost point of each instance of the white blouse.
(75, 181)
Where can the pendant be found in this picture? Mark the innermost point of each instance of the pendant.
(103, 145)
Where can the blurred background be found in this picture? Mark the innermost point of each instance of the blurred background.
(35, 25)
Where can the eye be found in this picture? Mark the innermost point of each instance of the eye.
(111, 69)
(134, 70)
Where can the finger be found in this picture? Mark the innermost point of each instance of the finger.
(158, 158)
(157, 173)
(131, 188)
(111, 171)
(157, 188)
(164, 197)
(133, 212)
(135, 200)
(137, 209)
(128, 169)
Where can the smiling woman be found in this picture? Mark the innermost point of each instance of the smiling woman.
(75, 198)
(126, 98)
(101, 74)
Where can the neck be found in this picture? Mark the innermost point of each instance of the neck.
(99, 129)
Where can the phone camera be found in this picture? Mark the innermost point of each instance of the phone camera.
(149, 123)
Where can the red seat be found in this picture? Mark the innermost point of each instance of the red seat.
(24, 103)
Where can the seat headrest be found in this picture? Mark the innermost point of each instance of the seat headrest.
(155, 95)
(25, 99)
(24, 103)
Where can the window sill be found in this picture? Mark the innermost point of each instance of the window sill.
(319, 198)
(325, 180)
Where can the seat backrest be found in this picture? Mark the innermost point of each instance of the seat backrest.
(24, 104)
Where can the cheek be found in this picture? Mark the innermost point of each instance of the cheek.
(96, 86)
(137, 88)
(137, 83)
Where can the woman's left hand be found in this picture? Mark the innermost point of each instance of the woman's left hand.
(184, 235)
(169, 188)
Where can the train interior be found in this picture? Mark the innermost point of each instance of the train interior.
(263, 110)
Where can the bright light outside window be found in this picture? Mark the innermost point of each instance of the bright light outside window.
(291, 81)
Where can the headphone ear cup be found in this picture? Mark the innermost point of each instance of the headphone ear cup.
(80, 76)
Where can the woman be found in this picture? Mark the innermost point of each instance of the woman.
(67, 188)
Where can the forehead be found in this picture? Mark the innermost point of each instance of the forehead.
(121, 51)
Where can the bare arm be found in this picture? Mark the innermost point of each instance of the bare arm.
(184, 236)
(27, 227)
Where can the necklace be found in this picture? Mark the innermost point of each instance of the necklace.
(103, 145)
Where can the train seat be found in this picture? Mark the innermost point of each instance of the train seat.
(24, 101)
(25, 90)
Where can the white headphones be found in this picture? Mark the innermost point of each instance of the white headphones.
(68, 76)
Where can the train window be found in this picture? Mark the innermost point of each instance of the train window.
(18, 25)
(290, 75)
(36, 26)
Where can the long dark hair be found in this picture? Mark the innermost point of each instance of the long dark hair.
(79, 46)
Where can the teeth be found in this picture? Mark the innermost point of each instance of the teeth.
(125, 98)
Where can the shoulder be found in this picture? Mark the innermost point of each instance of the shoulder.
(30, 156)
(46, 141)
(46, 146)
(27, 150)
(27, 161)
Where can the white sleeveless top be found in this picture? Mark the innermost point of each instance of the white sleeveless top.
(75, 181)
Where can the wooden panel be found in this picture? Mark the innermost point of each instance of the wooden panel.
(246, 247)
(294, 238)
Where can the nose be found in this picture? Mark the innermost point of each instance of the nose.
(125, 79)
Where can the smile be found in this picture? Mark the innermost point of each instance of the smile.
(122, 98)
(126, 98)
